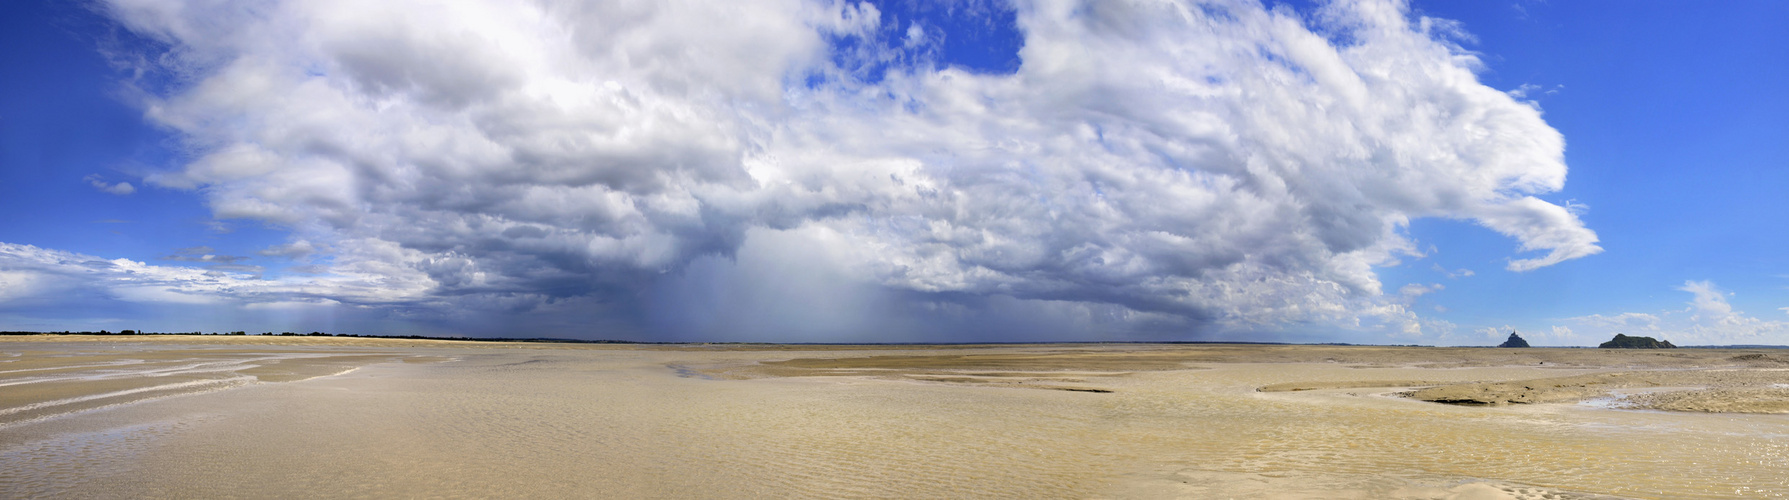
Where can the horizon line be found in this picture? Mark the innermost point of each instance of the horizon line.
(649, 342)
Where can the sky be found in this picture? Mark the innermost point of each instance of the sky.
(1363, 171)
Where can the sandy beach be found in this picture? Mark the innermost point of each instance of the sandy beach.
(331, 417)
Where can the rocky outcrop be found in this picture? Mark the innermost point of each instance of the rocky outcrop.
(1625, 342)
(1514, 341)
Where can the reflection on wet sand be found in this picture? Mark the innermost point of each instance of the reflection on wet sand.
(391, 418)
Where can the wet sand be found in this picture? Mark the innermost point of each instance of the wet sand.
(157, 417)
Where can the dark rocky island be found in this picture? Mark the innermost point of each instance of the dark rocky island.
(1625, 342)
(1514, 341)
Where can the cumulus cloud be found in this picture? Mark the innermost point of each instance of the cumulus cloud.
(1171, 166)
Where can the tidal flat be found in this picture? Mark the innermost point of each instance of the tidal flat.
(331, 417)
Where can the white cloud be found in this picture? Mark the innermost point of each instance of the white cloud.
(1710, 303)
(162, 294)
(1522, 91)
(16, 285)
(120, 188)
(203, 254)
(1713, 318)
(295, 250)
(1495, 334)
(1223, 164)
(29, 270)
(1709, 320)
(291, 304)
(1533, 92)
(1454, 274)
(1414, 290)
(1641, 321)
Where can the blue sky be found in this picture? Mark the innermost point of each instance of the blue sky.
(900, 171)
(1674, 140)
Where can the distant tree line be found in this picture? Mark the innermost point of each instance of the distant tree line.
(353, 335)
(120, 332)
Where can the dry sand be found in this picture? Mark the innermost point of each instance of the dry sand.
(109, 417)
